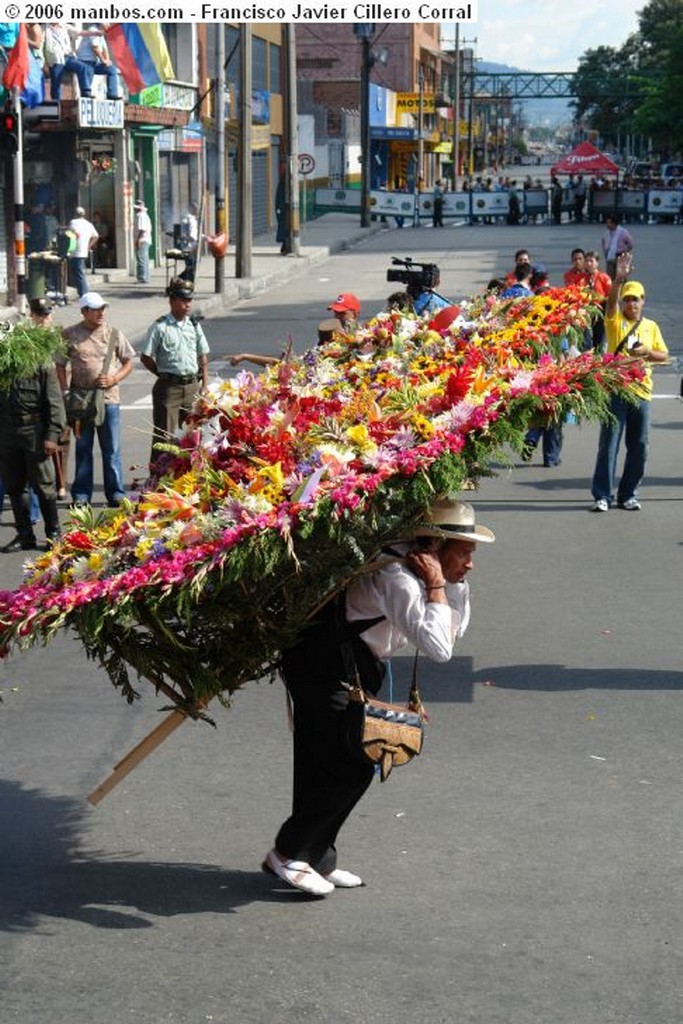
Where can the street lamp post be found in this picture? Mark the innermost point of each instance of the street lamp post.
(365, 31)
(456, 111)
(420, 145)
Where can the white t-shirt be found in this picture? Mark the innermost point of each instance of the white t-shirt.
(143, 224)
(84, 231)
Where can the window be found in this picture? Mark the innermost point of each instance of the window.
(259, 63)
(275, 69)
(233, 55)
(180, 43)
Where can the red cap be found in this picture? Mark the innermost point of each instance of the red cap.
(345, 301)
(444, 318)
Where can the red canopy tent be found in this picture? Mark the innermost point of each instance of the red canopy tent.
(585, 159)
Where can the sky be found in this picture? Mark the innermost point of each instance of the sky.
(546, 35)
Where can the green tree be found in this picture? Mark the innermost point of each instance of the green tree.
(606, 88)
(659, 24)
(660, 114)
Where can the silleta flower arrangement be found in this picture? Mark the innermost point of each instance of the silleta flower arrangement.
(285, 485)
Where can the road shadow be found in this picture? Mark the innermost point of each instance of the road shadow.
(46, 874)
(454, 681)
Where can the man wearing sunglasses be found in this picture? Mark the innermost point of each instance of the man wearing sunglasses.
(627, 332)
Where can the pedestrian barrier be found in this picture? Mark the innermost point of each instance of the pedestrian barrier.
(477, 207)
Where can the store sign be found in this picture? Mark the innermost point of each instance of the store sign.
(192, 136)
(104, 114)
(167, 94)
(392, 133)
(409, 103)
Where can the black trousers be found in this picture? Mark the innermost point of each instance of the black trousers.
(21, 467)
(330, 773)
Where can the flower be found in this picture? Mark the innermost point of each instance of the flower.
(282, 485)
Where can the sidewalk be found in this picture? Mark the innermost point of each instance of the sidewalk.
(134, 306)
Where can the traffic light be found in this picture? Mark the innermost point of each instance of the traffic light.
(10, 132)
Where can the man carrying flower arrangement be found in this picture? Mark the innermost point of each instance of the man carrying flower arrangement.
(420, 596)
(627, 331)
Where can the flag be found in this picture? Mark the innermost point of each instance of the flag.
(33, 92)
(139, 52)
(17, 69)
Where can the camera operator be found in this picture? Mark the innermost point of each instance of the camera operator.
(421, 280)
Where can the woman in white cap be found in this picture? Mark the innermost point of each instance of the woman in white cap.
(419, 596)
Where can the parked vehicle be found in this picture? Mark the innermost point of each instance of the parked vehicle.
(672, 173)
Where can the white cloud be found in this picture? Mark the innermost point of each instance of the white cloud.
(548, 36)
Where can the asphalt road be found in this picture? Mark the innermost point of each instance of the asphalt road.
(525, 870)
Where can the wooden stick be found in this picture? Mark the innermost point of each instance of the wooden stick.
(133, 758)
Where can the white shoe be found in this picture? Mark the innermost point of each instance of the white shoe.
(630, 505)
(343, 879)
(600, 505)
(298, 874)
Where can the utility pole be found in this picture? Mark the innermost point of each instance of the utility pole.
(243, 248)
(456, 111)
(19, 212)
(420, 145)
(293, 239)
(219, 117)
(365, 31)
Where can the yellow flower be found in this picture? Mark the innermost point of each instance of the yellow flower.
(360, 437)
(422, 426)
(187, 484)
(268, 482)
(95, 562)
(142, 548)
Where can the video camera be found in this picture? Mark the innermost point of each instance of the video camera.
(417, 277)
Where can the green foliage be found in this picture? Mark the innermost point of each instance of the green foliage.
(25, 349)
(637, 87)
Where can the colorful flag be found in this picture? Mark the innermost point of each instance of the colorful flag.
(16, 71)
(139, 52)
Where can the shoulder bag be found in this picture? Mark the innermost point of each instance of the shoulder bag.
(390, 734)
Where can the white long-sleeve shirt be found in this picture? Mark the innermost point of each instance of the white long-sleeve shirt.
(393, 591)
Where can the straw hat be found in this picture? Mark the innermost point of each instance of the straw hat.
(451, 519)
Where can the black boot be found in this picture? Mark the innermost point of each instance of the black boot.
(26, 538)
(50, 514)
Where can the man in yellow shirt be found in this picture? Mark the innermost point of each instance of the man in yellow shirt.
(627, 332)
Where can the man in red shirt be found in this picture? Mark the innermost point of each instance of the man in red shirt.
(576, 276)
(600, 284)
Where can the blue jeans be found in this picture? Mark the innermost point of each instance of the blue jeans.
(35, 505)
(71, 64)
(142, 263)
(77, 264)
(552, 443)
(109, 437)
(633, 422)
(93, 68)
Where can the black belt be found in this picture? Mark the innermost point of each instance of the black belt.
(174, 378)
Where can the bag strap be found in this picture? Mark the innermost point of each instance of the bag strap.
(110, 354)
(634, 327)
(414, 697)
